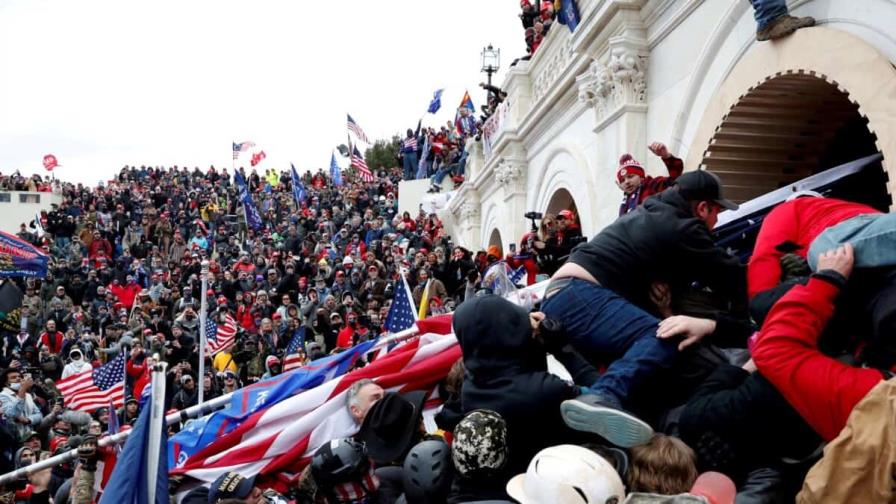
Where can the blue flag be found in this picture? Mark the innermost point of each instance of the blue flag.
(253, 218)
(436, 102)
(199, 433)
(569, 14)
(128, 483)
(298, 190)
(335, 172)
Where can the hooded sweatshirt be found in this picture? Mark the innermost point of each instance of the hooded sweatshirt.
(506, 372)
(76, 366)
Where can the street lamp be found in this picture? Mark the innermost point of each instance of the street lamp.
(491, 61)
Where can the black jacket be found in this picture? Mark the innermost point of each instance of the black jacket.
(738, 422)
(659, 241)
(506, 372)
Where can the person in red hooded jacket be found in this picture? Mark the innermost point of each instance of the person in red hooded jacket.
(791, 227)
(822, 389)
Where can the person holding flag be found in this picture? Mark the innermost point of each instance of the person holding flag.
(298, 190)
(335, 172)
(465, 120)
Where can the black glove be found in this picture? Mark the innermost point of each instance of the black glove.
(793, 266)
(552, 334)
(87, 453)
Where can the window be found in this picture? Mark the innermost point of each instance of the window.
(5, 197)
(29, 198)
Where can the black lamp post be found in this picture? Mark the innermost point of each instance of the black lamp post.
(491, 61)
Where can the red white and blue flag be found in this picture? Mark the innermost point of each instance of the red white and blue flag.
(359, 163)
(280, 439)
(92, 390)
(219, 336)
(295, 351)
(354, 128)
(241, 147)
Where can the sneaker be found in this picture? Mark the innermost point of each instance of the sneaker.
(784, 26)
(592, 413)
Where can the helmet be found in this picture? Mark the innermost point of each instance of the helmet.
(339, 461)
(567, 474)
(480, 443)
(427, 472)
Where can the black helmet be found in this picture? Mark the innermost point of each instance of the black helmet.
(427, 472)
(339, 461)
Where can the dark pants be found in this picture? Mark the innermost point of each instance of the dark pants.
(599, 321)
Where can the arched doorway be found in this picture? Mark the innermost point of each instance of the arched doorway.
(561, 200)
(787, 128)
(495, 239)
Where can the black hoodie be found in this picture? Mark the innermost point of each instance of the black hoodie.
(660, 241)
(506, 372)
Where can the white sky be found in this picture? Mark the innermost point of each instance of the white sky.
(101, 84)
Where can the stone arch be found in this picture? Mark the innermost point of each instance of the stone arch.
(844, 62)
(490, 226)
(566, 172)
(494, 238)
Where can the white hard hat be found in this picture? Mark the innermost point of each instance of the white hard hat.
(567, 474)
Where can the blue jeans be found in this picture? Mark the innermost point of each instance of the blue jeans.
(409, 165)
(442, 173)
(599, 321)
(766, 11)
(873, 236)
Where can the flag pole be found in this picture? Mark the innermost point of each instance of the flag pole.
(172, 418)
(203, 315)
(156, 424)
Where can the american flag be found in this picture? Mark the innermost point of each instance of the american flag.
(257, 158)
(401, 314)
(358, 162)
(219, 337)
(90, 391)
(279, 440)
(293, 358)
(354, 128)
(241, 147)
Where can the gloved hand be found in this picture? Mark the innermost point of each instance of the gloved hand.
(793, 266)
(87, 453)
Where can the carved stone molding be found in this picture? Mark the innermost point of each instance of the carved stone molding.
(617, 81)
(550, 71)
(508, 172)
(470, 211)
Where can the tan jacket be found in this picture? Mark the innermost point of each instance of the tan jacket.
(859, 465)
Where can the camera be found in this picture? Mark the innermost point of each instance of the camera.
(533, 215)
(247, 350)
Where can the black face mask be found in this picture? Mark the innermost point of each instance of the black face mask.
(275, 369)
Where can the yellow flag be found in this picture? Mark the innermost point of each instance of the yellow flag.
(424, 301)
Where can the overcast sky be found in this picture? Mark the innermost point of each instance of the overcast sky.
(101, 84)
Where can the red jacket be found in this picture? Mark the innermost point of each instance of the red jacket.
(823, 390)
(141, 375)
(53, 341)
(125, 293)
(799, 221)
(652, 185)
(528, 261)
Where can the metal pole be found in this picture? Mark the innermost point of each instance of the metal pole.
(173, 418)
(203, 314)
(156, 421)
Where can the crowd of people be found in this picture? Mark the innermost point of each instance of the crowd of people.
(687, 375)
(125, 272)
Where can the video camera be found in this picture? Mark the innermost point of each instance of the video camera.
(534, 216)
